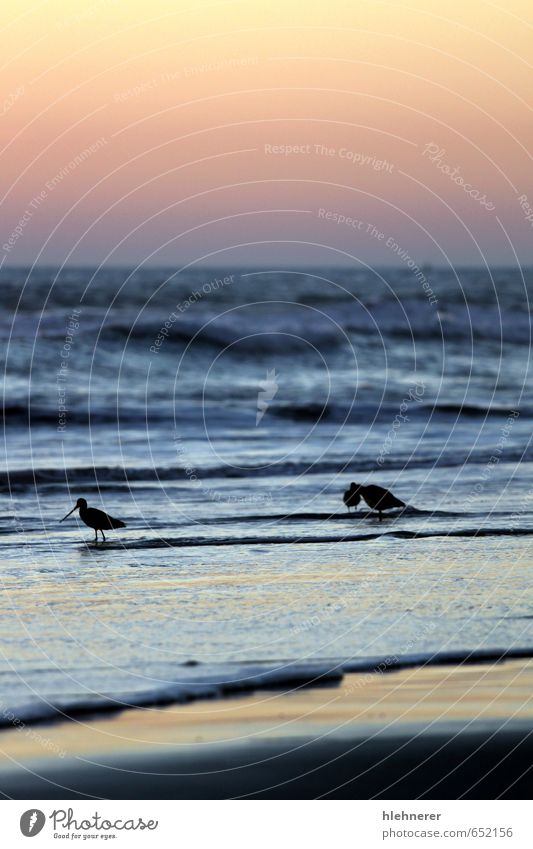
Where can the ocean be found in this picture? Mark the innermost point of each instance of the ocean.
(221, 413)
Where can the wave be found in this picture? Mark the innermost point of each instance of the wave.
(475, 410)
(367, 413)
(121, 476)
(285, 519)
(284, 335)
(272, 321)
(241, 414)
(342, 515)
(246, 679)
(315, 539)
(35, 415)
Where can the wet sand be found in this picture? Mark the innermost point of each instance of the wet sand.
(432, 732)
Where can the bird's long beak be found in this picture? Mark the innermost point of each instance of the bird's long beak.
(68, 514)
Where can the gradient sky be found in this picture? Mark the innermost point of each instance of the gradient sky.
(135, 132)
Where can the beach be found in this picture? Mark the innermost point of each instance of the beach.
(431, 732)
(223, 427)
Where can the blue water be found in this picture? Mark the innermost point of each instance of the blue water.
(221, 413)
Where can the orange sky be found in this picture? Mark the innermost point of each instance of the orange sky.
(175, 132)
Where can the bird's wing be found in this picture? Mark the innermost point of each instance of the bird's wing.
(116, 523)
(377, 491)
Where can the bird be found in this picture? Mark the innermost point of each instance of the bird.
(377, 498)
(94, 518)
(351, 497)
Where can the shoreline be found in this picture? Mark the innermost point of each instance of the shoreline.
(254, 678)
(459, 731)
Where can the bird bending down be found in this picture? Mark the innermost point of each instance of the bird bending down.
(96, 519)
(351, 497)
(377, 498)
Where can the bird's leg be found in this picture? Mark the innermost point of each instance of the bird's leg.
(95, 536)
(103, 537)
(380, 516)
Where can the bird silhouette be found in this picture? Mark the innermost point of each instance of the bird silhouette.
(351, 497)
(377, 498)
(94, 518)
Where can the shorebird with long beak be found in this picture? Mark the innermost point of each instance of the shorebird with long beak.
(351, 497)
(94, 518)
(377, 498)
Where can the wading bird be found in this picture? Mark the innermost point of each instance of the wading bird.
(96, 519)
(351, 497)
(377, 498)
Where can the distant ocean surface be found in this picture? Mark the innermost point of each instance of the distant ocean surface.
(221, 413)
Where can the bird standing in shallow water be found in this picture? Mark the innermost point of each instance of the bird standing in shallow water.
(351, 497)
(96, 519)
(377, 498)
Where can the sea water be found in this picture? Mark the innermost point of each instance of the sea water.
(221, 413)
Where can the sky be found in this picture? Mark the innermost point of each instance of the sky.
(266, 133)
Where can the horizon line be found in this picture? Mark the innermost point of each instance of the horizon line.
(261, 266)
